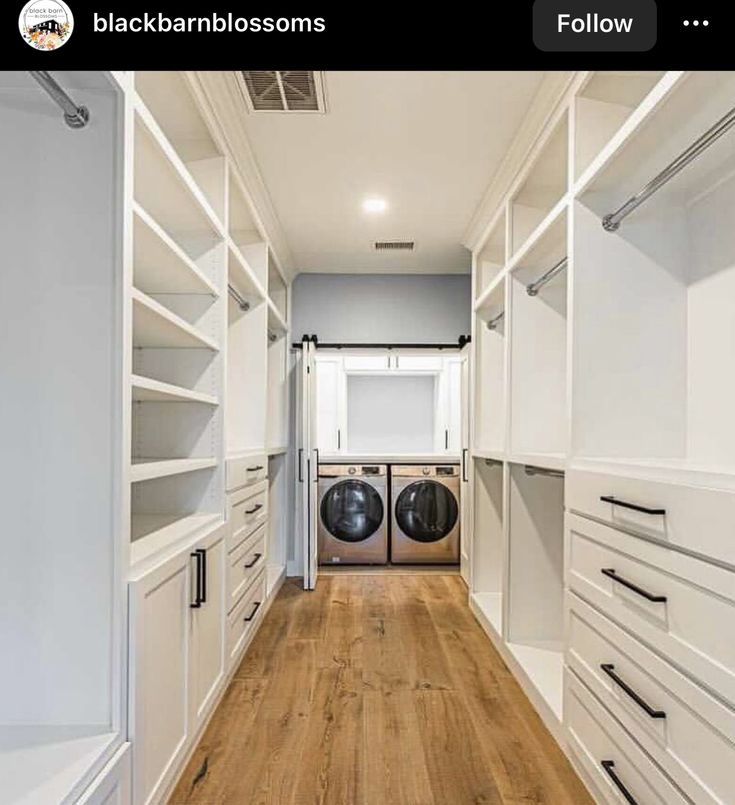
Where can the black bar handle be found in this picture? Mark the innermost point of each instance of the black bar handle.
(203, 553)
(257, 468)
(252, 614)
(254, 561)
(198, 592)
(446, 439)
(256, 508)
(609, 767)
(633, 506)
(610, 573)
(339, 439)
(464, 465)
(609, 669)
(301, 465)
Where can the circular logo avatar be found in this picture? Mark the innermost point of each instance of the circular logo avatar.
(46, 24)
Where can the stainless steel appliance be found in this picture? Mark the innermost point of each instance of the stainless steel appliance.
(425, 514)
(353, 517)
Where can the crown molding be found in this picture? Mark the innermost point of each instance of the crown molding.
(220, 91)
(549, 101)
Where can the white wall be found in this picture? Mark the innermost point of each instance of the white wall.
(396, 308)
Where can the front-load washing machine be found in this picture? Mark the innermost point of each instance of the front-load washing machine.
(425, 514)
(353, 517)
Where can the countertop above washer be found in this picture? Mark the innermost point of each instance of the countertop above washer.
(390, 458)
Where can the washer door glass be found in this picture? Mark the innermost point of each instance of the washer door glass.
(351, 511)
(426, 511)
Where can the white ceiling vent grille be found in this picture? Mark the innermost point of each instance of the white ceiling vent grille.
(283, 90)
(394, 245)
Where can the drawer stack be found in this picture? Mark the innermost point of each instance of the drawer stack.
(247, 550)
(649, 705)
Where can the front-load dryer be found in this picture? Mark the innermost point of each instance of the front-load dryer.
(425, 514)
(353, 516)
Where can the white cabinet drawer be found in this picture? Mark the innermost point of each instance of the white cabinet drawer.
(245, 562)
(694, 518)
(680, 606)
(690, 734)
(611, 758)
(245, 616)
(245, 471)
(247, 510)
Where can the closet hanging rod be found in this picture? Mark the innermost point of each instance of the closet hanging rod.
(533, 470)
(493, 323)
(235, 294)
(461, 342)
(76, 117)
(611, 222)
(535, 287)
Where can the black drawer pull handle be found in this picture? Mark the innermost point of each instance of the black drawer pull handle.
(609, 767)
(634, 506)
(256, 508)
(252, 614)
(203, 553)
(255, 469)
(196, 604)
(609, 669)
(253, 562)
(610, 573)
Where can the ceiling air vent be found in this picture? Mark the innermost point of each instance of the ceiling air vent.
(283, 90)
(394, 245)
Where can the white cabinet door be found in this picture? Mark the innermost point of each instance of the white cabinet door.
(330, 381)
(206, 628)
(160, 616)
(112, 784)
(462, 394)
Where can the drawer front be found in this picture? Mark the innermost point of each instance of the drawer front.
(245, 562)
(245, 471)
(686, 731)
(611, 758)
(245, 616)
(247, 511)
(695, 518)
(691, 619)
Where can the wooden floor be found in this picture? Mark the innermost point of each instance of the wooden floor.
(376, 689)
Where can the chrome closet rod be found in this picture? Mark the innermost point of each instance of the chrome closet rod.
(493, 323)
(76, 117)
(235, 294)
(534, 287)
(532, 470)
(611, 222)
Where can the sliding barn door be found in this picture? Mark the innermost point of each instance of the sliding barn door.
(308, 461)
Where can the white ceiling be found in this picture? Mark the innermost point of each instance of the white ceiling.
(427, 142)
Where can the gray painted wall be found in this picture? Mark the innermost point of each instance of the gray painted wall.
(369, 308)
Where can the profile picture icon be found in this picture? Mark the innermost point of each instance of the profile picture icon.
(46, 24)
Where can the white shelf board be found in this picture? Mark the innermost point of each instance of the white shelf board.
(490, 608)
(551, 461)
(47, 764)
(241, 275)
(275, 576)
(156, 326)
(544, 667)
(546, 229)
(145, 389)
(495, 455)
(146, 469)
(166, 179)
(153, 533)
(277, 451)
(276, 322)
(159, 263)
(493, 295)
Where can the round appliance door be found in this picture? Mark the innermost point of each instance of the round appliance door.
(351, 511)
(426, 511)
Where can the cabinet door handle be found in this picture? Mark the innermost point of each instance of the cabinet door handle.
(446, 439)
(609, 669)
(464, 465)
(301, 463)
(610, 573)
(339, 439)
(254, 561)
(257, 507)
(256, 607)
(198, 575)
(203, 553)
(255, 469)
(633, 506)
(609, 767)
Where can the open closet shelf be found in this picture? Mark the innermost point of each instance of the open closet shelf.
(146, 469)
(546, 245)
(161, 531)
(492, 299)
(241, 275)
(489, 454)
(276, 322)
(156, 326)
(491, 259)
(549, 461)
(489, 606)
(159, 263)
(277, 451)
(146, 389)
(165, 187)
(544, 667)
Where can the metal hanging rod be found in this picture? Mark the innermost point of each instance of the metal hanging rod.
(76, 117)
(532, 470)
(493, 323)
(461, 342)
(235, 294)
(535, 287)
(611, 222)
(272, 337)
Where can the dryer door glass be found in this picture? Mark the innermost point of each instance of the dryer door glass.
(426, 511)
(351, 511)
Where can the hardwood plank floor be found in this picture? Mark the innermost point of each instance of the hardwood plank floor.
(375, 690)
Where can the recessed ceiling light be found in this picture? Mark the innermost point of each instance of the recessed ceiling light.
(375, 205)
